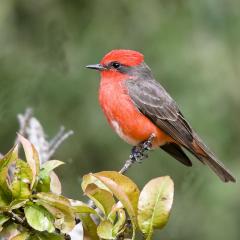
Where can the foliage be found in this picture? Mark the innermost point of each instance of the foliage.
(31, 204)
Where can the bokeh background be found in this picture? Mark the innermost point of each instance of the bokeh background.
(193, 49)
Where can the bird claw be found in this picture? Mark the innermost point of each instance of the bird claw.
(138, 152)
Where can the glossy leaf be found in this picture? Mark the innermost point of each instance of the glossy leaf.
(22, 180)
(154, 205)
(119, 225)
(46, 236)
(3, 219)
(5, 162)
(91, 179)
(105, 230)
(59, 204)
(103, 199)
(80, 207)
(21, 236)
(55, 184)
(124, 189)
(89, 227)
(48, 180)
(49, 166)
(31, 157)
(17, 203)
(43, 184)
(39, 218)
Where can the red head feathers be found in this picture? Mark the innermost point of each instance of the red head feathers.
(125, 57)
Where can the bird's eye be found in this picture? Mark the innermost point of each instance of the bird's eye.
(115, 65)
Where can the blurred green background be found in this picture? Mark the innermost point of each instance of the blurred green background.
(193, 49)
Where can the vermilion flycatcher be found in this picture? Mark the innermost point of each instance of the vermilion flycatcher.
(137, 107)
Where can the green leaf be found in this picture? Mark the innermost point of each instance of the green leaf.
(46, 236)
(21, 236)
(31, 157)
(17, 203)
(105, 230)
(47, 179)
(39, 218)
(124, 189)
(22, 180)
(154, 205)
(119, 225)
(80, 207)
(91, 179)
(103, 199)
(55, 185)
(48, 166)
(60, 207)
(3, 219)
(89, 227)
(5, 162)
(43, 184)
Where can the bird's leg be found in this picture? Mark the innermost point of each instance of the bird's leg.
(138, 153)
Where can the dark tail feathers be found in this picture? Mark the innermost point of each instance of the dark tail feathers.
(201, 151)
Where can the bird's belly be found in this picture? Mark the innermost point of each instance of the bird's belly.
(128, 122)
(134, 128)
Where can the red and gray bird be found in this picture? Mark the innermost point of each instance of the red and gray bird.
(137, 107)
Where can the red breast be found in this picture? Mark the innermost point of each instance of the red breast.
(123, 116)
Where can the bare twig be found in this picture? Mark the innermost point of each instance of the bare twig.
(23, 120)
(60, 137)
(31, 128)
(17, 219)
(129, 162)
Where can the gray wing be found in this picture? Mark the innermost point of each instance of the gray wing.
(156, 104)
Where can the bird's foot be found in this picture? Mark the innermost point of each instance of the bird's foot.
(137, 154)
(140, 152)
(147, 145)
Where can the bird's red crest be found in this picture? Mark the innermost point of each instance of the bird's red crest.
(126, 57)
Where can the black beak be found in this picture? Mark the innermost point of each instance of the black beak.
(98, 67)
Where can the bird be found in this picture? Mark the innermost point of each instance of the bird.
(141, 111)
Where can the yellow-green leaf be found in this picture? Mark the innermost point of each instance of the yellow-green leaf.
(3, 219)
(89, 227)
(5, 162)
(91, 179)
(22, 180)
(105, 230)
(39, 218)
(31, 157)
(62, 205)
(103, 199)
(55, 184)
(119, 225)
(80, 207)
(17, 203)
(48, 166)
(21, 236)
(154, 205)
(125, 191)
(46, 236)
